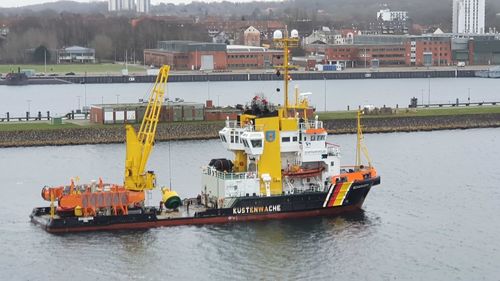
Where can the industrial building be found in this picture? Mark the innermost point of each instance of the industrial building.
(440, 49)
(171, 111)
(248, 57)
(190, 55)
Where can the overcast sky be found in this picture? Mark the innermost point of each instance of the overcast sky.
(19, 3)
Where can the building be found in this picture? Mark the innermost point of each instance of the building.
(468, 16)
(325, 36)
(249, 57)
(388, 15)
(76, 54)
(143, 6)
(171, 111)
(251, 37)
(189, 55)
(121, 5)
(235, 29)
(438, 47)
(392, 22)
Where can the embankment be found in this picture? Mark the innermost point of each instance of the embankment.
(414, 123)
(207, 130)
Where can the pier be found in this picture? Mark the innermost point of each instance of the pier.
(253, 76)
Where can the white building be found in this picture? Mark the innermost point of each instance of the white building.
(121, 5)
(143, 6)
(388, 15)
(468, 16)
(76, 54)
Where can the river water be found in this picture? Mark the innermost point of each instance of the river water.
(434, 217)
(326, 95)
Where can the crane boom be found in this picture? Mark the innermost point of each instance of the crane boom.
(139, 145)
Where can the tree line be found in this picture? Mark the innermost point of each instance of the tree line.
(113, 38)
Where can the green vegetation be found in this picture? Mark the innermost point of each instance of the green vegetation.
(78, 69)
(12, 126)
(420, 112)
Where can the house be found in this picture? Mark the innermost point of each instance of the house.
(76, 54)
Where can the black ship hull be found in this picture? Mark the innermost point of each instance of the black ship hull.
(338, 199)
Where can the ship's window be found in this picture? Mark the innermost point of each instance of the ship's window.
(223, 138)
(237, 139)
(285, 139)
(256, 143)
(313, 138)
(294, 139)
(232, 139)
(332, 163)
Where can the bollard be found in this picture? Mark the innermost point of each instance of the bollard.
(8, 117)
(39, 115)
(27, 116)
(72, 115)
(48, 115)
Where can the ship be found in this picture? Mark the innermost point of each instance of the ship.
(283, 168)
(16, 79)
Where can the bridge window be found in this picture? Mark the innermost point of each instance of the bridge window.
(256, 143)
(285, 139)
(294, 139)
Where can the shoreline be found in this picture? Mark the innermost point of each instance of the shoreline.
(209, 130)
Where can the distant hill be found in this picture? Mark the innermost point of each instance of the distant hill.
(431, 12)
(60, 6)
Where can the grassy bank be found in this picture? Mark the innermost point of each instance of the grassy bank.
(95, 68)
(420, 112)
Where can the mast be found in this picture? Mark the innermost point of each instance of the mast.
(360, 146)
(286, 43)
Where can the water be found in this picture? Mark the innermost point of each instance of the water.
(434, 217)
(61, 99)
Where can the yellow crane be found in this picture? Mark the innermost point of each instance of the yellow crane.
(87, 200)
(139, 145)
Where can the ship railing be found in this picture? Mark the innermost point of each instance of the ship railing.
(211, 171)
(233, 124)
(254, 128)
(316, 124)
(332, 149)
